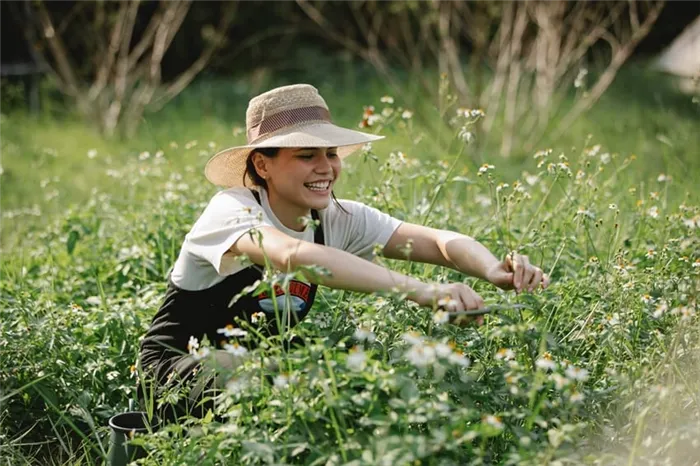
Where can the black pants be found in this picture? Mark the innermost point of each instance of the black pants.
(198, 381)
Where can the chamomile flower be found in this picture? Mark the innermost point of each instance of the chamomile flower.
(576, 397)
(576, 373)
(485, 168)
(192, 344)
(257, 317)
(546, 362)
(364, 334)
(387, 99)
(357, 359)
(441, 317)
(459, 359)
(200, 353)
(236, 385)
(505, 354)
(559, 381)
(653, 212)
(646, 299)
(421, 355)
(281, 381)
(231, 331)
(236, 349)
(407, 115)
(661, 309)
(493, 421)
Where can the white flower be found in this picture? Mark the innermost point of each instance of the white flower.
(687, 313)
(387, 99)
(421, 355)
(144, 155)
(364, 334)
(546, 363)
(646, 299)
(613, 319)
(231, 331)
(200, 353)
(257, 316)
(585, 213)
(505, 354)
(486, 167)
(92, 153)
(653, 212)
(235, 349)
(357, 359)
(576, 373)
(193, 344)
(650, 254)
(559, 381)
(605, 158)
(413, 338)
(448, 303)
(576, 397)
(459, 359)
(281, 381)
(661, 308)
(662, 177)
(612, 206)
(236, 386)
(441, 317)
(407, 114)
(94, 300)
(443, 350)
(372, 119)
(493, 421)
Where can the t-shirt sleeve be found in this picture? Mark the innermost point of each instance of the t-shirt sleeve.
(364, 228)
(227, 217)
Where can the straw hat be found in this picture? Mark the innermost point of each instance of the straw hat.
(288, 116)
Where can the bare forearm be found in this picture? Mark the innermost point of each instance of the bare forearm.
(466, 254)
(350, 272)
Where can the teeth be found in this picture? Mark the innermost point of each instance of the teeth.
(320, 186)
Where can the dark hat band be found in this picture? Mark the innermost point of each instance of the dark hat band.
(284, 118)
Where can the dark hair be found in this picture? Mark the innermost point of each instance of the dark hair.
(251, 172)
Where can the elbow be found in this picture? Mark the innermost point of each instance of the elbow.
(291, 255)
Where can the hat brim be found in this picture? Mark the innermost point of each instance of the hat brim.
(227, 167)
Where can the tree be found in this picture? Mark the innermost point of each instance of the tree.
(114, 74)
(515, 59)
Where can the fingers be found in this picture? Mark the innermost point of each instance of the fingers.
(519, 265)
(535, 279)
(527, 277)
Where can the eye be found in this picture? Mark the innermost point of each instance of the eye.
(306, 156)
(332, 154)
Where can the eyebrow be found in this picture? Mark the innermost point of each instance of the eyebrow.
(313, 149)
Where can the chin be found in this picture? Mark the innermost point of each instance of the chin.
(319, 204)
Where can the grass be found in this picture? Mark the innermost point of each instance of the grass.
(602, 368)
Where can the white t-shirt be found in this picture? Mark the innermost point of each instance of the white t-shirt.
(205, 259)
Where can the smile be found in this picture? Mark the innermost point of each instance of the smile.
(318, 186)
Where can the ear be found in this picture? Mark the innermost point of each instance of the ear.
(260, 164)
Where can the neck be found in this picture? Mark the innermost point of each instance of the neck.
(286, 212)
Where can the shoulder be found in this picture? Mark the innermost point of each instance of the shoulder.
(233, 204)
(232, 198)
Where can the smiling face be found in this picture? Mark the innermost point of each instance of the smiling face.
(299, 179)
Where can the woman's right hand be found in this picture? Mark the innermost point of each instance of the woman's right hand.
(449, 296)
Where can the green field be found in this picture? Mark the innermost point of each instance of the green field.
(601, 368)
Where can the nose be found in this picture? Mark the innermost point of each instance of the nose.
(324, 165)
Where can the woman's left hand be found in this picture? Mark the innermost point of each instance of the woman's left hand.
(516, 272)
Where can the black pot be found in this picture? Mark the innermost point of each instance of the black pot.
(124, 426)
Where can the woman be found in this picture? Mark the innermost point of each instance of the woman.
(292, 161)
